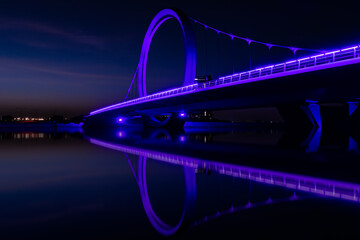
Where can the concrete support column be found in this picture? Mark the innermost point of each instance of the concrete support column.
(312, 142)
(352, 107)
(312, 111)
(301, 116)
(354, 114)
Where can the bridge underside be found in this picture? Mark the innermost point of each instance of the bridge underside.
(331, 85)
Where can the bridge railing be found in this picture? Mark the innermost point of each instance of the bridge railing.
(325, 58)
(312, 61)
(151, 97)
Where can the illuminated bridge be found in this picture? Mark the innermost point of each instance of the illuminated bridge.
(298, 87)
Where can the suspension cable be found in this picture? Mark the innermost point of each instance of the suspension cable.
(132, 81)
(294, 49)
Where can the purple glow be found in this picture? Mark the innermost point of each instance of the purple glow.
(294, 49)
(302, 59)
(190, 195)
(314, 111)
(352, 107)
(332, 52)
(315, 56)
(121, 134)
(120, 120)
(312, 142)
(190, 61)
(269, 46)
(350, 48)
(189, 42)
(319, 186)
(352, 145)
(246, 77)
(182, 115)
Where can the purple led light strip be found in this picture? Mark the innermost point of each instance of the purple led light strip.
(324, 187)
(344, 56)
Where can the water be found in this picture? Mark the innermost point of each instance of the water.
(249, 182)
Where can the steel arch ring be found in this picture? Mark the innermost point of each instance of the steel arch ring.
(189, 204)
(189, 42)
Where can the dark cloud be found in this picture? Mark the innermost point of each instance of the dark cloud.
(37, 27)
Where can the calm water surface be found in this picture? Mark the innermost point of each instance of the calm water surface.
(117, 184)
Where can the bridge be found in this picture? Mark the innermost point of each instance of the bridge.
(298, 87)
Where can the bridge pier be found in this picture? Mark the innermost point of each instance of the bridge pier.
(301, 115)
(330, 120)
(354, 114)
(312, 111)
(314, 115)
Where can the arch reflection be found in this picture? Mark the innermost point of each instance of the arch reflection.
(189, 203)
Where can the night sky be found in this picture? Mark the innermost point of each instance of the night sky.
(71, 57)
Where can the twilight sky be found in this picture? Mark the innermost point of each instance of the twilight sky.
(71, 57)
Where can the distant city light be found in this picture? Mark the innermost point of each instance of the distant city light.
(121, 134)
(29, 119)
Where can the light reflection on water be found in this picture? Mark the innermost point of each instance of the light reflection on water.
(184, 184)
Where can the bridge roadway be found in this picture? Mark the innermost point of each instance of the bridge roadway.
(324, 78)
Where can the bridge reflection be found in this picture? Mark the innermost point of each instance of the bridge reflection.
(193, 166)
(325, 187)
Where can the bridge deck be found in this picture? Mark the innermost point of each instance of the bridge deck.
(329, 60)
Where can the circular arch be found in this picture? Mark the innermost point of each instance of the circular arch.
(189, 42)
(189, 204)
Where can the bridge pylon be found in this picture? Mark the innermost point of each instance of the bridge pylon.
(311, 114)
